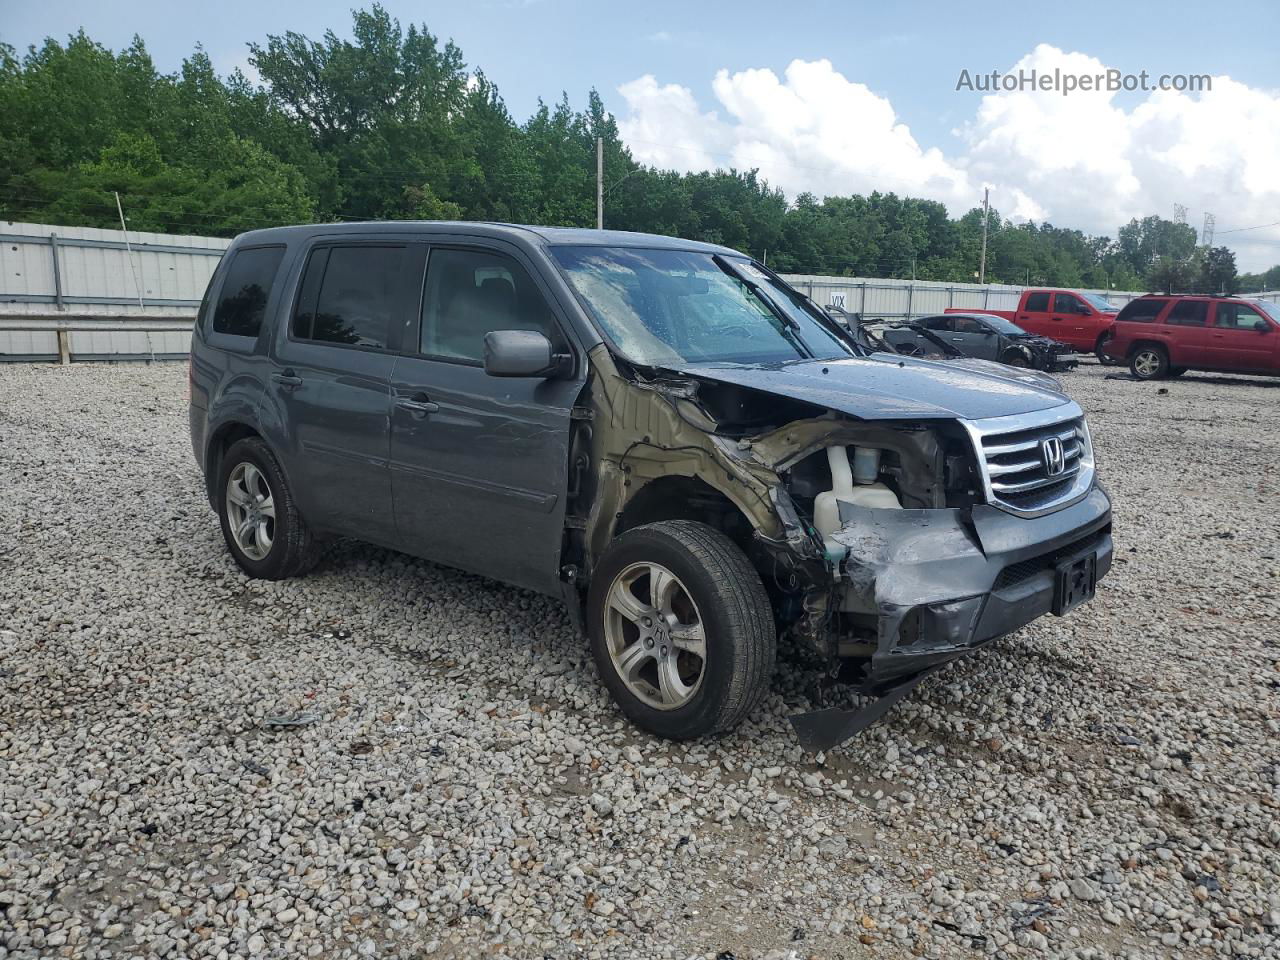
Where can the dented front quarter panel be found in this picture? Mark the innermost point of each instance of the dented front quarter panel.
(646, 431)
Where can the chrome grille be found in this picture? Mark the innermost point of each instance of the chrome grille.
(1035, 463)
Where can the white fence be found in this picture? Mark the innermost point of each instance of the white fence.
(87, 294)
(80, 293)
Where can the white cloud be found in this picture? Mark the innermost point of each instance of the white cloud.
(1081, 160)
(813, 130)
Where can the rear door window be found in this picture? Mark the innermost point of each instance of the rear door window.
(939, 324)
(1141, 311)
(1037, 303)
(1189, 313)
(350, 295)
(242, 302)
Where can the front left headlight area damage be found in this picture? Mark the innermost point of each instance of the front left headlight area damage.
(1041, 353)
(886, 592)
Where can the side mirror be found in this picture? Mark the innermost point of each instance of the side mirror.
(519, 353)
(1261, 326)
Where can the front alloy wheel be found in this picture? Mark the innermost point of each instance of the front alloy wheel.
(655, 636)
(681, 629)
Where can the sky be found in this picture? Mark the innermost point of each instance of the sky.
(839, 98)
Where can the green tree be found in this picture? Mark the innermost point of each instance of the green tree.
(1218, 271)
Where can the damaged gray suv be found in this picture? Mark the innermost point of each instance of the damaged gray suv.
(662, 433)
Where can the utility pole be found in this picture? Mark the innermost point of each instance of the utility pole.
(982, 265)
(599, 183)
(128, 251)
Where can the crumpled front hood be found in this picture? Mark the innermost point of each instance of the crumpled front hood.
(886, 387)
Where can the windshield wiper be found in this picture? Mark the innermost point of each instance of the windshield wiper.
(790, 326)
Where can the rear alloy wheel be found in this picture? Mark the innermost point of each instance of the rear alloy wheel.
(1149, 363)
(265, 533)
(681, 629)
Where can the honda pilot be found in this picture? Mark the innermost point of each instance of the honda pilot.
(664, 434)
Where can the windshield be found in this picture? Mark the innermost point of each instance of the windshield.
(1272, 309)
(1100, 303)
(1001, 325)
(674, 307)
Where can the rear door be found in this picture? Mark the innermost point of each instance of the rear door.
(479, 463)
(1241, 338)
(331, 388)
(1187, 323)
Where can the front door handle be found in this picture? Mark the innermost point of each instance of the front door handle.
(419, 405)
(288, 379)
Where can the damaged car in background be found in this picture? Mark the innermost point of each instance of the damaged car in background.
(910, 339)
(663, 433)
(981, 337)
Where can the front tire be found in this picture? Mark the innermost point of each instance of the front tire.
(265, 533)
(681, 629)
(1100, 351)
(1149, 362)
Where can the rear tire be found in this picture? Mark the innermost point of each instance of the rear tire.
(1149, 362)
(260, 521)
(710, 599)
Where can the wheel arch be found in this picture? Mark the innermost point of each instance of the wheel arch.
(679, 497)
(219, 442)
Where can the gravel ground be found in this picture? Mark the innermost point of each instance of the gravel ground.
(1105, 785)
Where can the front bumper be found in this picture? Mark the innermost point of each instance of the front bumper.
(936, 584)
(1061, 362)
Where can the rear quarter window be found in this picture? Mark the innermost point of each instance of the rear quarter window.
(242, 302)
(1141, 311)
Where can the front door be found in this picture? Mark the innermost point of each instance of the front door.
(1242, 339)
(1034, 316)
(1071, 322)
(480, 463)
(974, 338)
(331, 385)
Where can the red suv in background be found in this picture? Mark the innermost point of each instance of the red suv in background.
(1165, 336)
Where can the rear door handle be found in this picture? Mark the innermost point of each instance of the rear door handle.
(419, 405)
(288, 379)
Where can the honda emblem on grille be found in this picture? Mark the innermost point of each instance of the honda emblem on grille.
(1054, 457)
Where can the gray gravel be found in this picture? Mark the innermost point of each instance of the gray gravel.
(388, 758)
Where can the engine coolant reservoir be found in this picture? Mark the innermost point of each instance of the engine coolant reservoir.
(866, 492)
